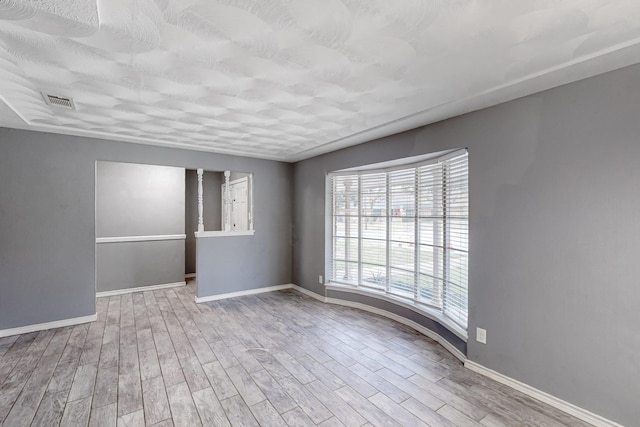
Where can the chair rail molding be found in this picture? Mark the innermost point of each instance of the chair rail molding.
(120, 239)
(231, 233)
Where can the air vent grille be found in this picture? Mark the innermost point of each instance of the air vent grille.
(59, 101)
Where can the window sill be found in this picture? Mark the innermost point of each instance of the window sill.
(411, 305)
(200, 234)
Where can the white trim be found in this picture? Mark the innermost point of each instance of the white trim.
(95, 227)
(200, 173)
(600, 62)
(399, 164)
(420, 309)
(48, 325)
(250, 189)
(68, 130)
(418, 327)
(309, 293)
(226, 202)
(190, 276)
(224, 233)
(243, 293)
(425, 331)
(542, 396)
(140, 238)
(138, 289)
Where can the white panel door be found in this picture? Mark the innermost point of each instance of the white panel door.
(240, 206)
(239, 191)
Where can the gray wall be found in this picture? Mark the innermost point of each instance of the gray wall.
(233, 271)
(47, 219)
(554, 202)
(231, 264)
(126, 265)
(139, 200)
(212, 210)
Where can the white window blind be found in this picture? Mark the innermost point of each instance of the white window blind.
(404, 231)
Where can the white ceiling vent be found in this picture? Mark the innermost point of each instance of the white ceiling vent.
(59, 101)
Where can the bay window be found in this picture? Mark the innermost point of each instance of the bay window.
(403, 231)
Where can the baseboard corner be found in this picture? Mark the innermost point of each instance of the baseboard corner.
(309, 293)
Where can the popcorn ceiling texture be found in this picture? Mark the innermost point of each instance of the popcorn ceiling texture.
(272, 78)
(83, 11)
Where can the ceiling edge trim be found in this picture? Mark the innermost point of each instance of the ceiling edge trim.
(63, 130)
(598, 63)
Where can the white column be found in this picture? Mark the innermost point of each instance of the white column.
(250, 190)
(200, 198)
(227, 201)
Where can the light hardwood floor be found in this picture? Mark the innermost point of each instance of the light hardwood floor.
(157, 358)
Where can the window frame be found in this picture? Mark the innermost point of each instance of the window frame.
(415, 302)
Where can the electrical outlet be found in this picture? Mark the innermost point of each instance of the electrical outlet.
(481, 335)
(320, 280)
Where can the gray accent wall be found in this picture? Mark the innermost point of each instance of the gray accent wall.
(126, 265)
(231, 271)
(554, 232)
(239, 263)
(47, 219)
(139, 200)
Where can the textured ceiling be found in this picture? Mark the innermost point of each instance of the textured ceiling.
(284, 79)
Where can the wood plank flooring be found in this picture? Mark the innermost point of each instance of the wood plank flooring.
(156, 358)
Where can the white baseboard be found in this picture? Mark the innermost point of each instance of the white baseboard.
(309, 293)
(139, 289)
(556, 402)
(418, 327)
(540, 395)
(190, 276)
(420, 309)
(48, 325)
(243, 293)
